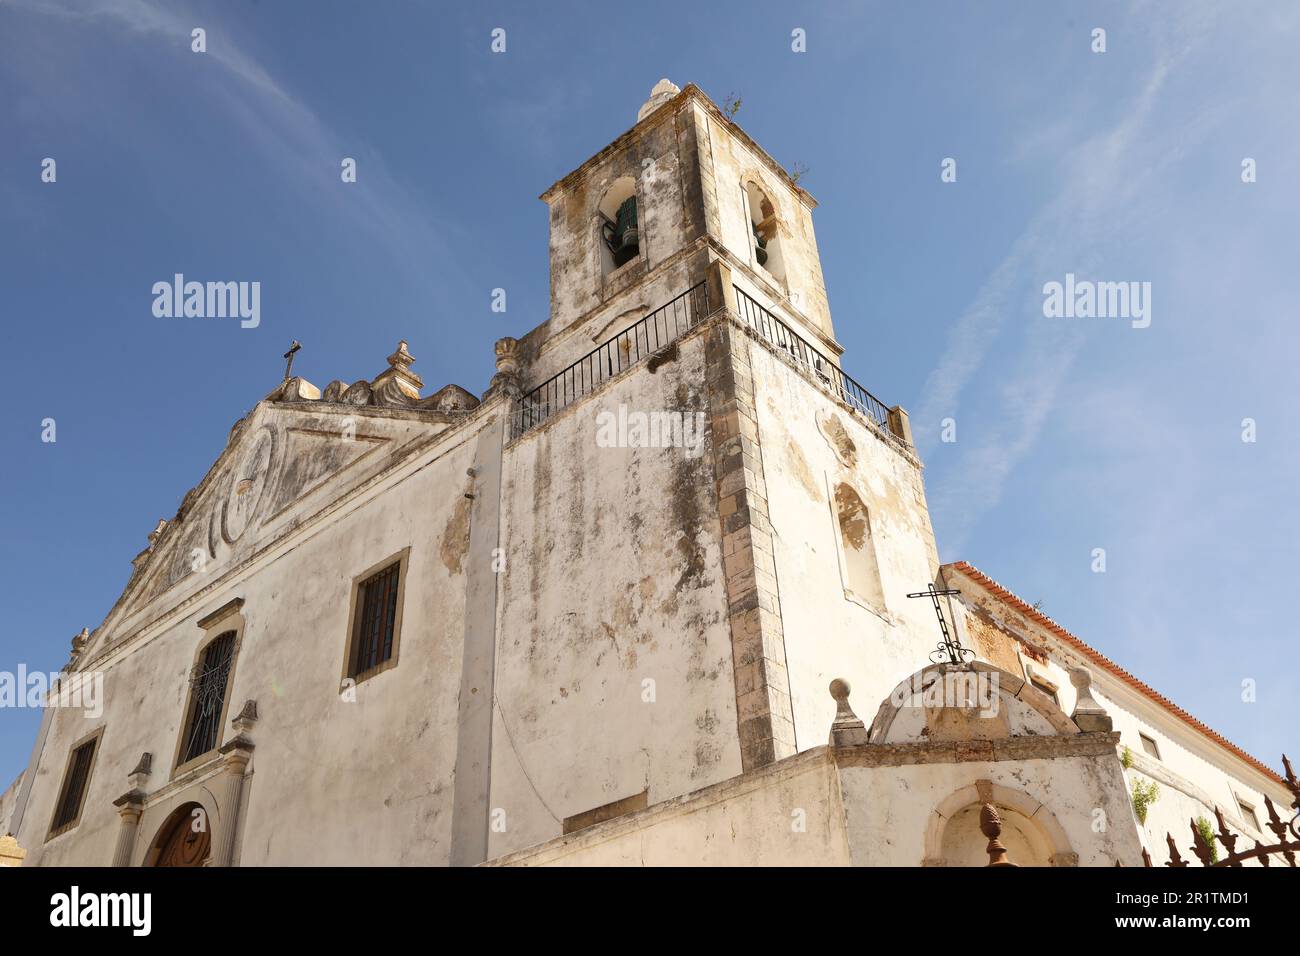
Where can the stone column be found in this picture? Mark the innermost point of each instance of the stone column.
(230, 785)
(129, 807)
(229, 789)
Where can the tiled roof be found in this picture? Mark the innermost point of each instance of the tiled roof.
(1104, 662)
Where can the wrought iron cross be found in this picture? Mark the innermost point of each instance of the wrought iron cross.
(951, 646)
(288, 365)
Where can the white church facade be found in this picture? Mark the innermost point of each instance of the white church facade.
(644, 601)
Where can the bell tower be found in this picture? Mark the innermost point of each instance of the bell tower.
(678, 598)
(685, 186)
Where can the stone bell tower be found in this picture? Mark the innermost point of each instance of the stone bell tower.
(684, 186)
(674, 611)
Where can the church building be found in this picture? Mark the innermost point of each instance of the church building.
(667, 592)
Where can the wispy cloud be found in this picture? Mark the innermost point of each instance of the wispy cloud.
(1105, 184)
(278, 123)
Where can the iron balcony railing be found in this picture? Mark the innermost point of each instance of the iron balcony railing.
(658, 329)
(783, 337)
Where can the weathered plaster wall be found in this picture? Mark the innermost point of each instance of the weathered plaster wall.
(838, 807)
(788, 814)
(827, 633)
(889, 809)
(613, 578)
(374, 774)
(547, 355)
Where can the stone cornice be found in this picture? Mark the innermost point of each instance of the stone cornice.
(233, 606)
(689, 94)
(1028, 747)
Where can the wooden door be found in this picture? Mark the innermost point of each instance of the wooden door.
(182, 845)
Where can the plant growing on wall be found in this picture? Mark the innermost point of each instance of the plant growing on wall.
(1207, 834)
(1144, 794)
(1126, 758)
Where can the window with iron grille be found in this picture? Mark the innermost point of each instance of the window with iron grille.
(374, 628)
(68, 810)
(208, 697)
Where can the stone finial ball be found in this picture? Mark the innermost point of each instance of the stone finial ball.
(840, 689)
(1080, 677)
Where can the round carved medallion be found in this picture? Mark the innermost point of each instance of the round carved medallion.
(248, 481)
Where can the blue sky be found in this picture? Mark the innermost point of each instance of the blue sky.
(1072, 434)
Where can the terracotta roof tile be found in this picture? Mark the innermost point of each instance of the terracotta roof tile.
(1104, 662)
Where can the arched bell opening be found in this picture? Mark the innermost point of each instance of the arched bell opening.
(620, 230)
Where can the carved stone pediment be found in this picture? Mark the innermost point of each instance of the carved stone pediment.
(284, 462)
(278, 459)
(450, 398)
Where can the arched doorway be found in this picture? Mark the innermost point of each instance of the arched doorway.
(184, 839)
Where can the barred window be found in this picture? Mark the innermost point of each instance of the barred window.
(375, 625)
(208, 697)
(68, 809)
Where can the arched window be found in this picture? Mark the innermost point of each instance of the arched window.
(620, 232)
(209, 690)
(860, 571)
(765, 238)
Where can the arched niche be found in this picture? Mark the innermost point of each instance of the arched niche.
(1030, 831)
(859, 564)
